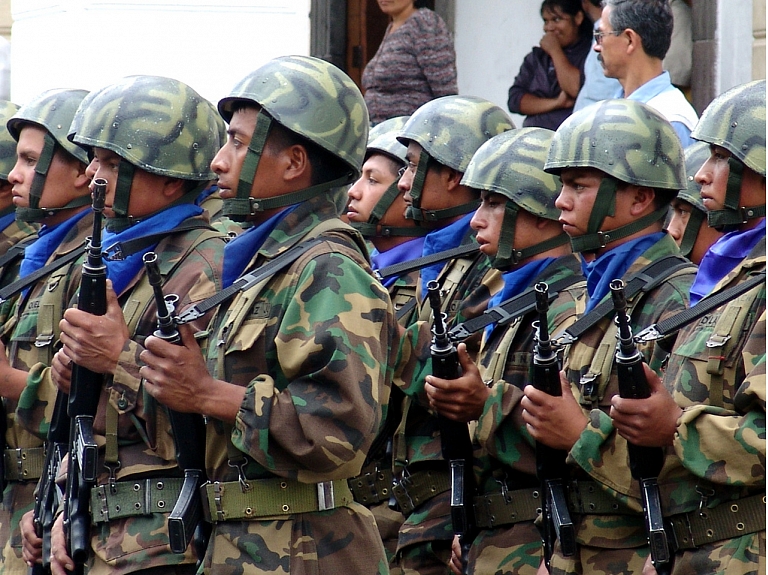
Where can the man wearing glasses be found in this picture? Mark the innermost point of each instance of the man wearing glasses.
(631, 41)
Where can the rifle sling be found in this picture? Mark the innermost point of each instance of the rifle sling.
(509, 310)
(248, 280)
(122, 250)
(644, 280)
(418, 263)
(22, 283)
(707, 304)
(15, 252)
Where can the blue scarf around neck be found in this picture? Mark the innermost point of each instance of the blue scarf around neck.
(405, 252)
(440, 240)
(48, 239)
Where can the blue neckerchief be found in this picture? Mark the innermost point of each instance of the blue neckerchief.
(515, 283)
(205, 193)
(613, 265)
(7, 220)
(239, 252)
(440, 240)
(722, 257)
(121, 272)
(48, 239)
(405, 252)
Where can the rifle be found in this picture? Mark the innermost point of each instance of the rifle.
(455, 442)
(550, 463)
(645, 463)
(83, 400)
(185, 521)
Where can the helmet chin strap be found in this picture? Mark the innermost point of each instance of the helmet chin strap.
(506, 255)
(692, 228)
(34, 213)
(373, 229)
(416, 212)
(732, 215)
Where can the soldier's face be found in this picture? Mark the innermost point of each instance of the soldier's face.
(681, 213)
(149, 192)
(577, 196)
(435, 192)
(379, 172)
(487, 221)
(65, 175)
(713, 178)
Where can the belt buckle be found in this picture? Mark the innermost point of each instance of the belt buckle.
(325, 496)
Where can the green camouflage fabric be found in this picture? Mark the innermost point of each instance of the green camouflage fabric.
(290, 88)
(718, 456)
(382, 139)
(622, 536)
(190, 263)
(505, 453)
(511, 164)
(735, 120)
(7, 142)
(314, 348)
(159, 124)
(695, 156)
(53, 110)
(18, 497)
(623, 138)
(451, 128)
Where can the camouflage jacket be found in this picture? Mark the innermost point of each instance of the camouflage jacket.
(506, 358)
(190, 263)
(313, 346)
(593, 354)
(17, 232)
(719, 447)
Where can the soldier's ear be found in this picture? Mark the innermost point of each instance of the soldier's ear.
(295, 162)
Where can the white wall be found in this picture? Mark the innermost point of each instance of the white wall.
(492, 38)
(734, 36)
(209, 44)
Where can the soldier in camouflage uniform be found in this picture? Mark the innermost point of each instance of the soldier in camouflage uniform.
(376, 209)
(301, 362)
(710, 409)
(12, 230)
(152, 139)
(517, 227)
(687, 223)
(621, 164)
(441, 136)
(50, 187)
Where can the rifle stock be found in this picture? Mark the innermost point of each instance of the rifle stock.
(645, 463)
(456, 444)
(185, 522)
(83, 400)
(551, 468)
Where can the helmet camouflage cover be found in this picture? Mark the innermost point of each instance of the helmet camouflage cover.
(695, 156)
(623, 138)
(451, 129)
(312, 98)
(7, 142)
(382, 139)
(735, 120)
(158, 124)
(53, 110)
(512, 164)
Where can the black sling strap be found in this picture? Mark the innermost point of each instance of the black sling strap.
(418, 263)
(246, 281)
(122, 250)
(644, 280)
(406, 309)
(683, 318)
(16, 251)
(509, 310)
(22, 283)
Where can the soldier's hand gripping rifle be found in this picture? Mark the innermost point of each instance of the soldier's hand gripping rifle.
(551, 468)
(186, 518)
(645, 463)
(84, 394)
(456, 444)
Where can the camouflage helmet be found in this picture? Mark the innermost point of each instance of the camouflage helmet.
(512, 165)
(309, 97)
(7, 142)
(695, 156)
(382, 139)
(53, 110)
(157, 124)
(451, 129)
(630, 142)
(623, 138)
(735, 120)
